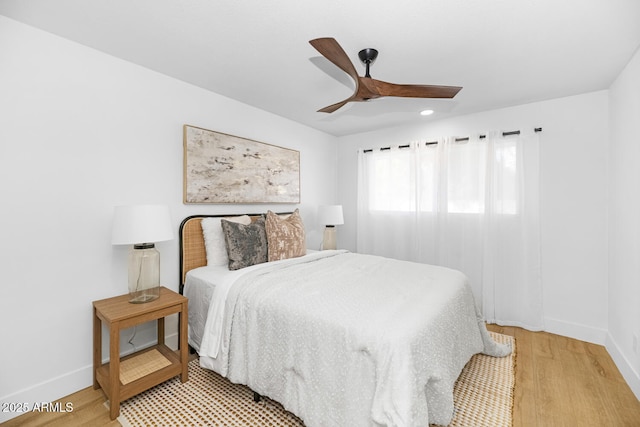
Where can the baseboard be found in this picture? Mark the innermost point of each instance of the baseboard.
(576, 331)
(46, 391)
(626, 369)
(59, 387)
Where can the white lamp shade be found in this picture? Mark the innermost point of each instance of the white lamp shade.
(330, 215)
(141, 224)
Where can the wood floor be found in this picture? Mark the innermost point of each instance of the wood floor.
(559, 382)
(565, 382)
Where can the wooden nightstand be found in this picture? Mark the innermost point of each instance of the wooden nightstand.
(148, 367)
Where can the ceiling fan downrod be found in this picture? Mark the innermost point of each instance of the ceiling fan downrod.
(368, 56)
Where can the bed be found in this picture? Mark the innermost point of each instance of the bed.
(338, 338)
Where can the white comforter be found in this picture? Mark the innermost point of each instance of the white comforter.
(343, 339)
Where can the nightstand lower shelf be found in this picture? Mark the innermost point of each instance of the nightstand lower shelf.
(148, 367)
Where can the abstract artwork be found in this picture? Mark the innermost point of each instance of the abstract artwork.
(221, 168)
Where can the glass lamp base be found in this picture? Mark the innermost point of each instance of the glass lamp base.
(143, 296)
(144, 273)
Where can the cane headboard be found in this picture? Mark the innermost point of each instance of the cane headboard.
(192, 249)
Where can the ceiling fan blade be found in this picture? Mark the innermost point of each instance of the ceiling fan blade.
(330, 49)
(415, 91)
(336, 106)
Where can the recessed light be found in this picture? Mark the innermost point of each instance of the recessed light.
(426, 112)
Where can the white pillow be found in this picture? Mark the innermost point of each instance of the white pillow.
(214, 242)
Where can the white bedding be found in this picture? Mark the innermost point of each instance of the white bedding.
(199, 288)
(359, 341)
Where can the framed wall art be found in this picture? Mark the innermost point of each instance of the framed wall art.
(221, 168)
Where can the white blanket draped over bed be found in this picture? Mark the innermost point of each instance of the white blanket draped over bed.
(344, 339)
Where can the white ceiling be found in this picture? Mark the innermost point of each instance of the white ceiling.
(503, 52)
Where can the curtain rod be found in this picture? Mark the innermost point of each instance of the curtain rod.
(513, 132)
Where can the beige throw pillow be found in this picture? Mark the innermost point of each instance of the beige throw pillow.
(285, 237)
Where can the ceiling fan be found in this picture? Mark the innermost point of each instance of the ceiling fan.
(369, 88)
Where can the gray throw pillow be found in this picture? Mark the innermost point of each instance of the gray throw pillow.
(246, 244)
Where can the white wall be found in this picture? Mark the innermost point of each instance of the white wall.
(81, 132)
(573, 198)
(624, 215)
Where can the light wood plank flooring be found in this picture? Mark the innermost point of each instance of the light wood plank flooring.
(559, 382)
(565, 382)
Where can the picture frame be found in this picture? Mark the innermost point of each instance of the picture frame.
(222, 168)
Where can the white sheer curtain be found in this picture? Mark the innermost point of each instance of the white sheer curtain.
(470, 204)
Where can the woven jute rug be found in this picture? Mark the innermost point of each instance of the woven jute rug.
(483, 397)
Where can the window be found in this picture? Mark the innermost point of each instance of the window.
(391, 179)
(466, 171)
(451, 176)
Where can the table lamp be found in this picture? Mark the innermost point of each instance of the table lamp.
(142, 226)
(330, 216)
